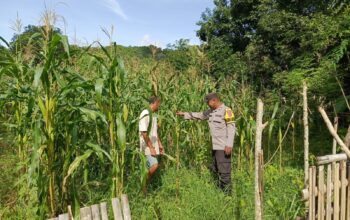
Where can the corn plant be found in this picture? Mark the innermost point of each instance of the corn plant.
(109, 90)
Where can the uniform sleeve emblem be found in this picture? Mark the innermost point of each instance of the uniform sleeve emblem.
(229, 116)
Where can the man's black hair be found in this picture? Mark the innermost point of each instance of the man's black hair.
(153, 99)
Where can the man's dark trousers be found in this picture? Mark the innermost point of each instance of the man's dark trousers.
(222, 168)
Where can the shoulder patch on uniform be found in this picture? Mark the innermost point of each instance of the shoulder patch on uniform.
(229, 116)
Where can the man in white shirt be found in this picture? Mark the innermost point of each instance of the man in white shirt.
(150, 143)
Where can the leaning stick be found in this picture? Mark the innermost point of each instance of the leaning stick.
(333, 132)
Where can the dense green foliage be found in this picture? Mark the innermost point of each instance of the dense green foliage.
(280, 43)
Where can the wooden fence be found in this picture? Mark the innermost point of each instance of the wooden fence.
(121, 211)
(328, 192)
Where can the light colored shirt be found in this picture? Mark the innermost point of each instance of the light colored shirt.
(144, 125)
(221, 124)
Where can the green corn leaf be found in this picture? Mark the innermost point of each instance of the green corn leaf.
(275, 109)
(75, 164)
(98, 89)
(3, 40)
(42, 107)
(64, 41)
(121, 132)
(93, 115)
(37, 76)
(35, 35)
(125, 112)
(98, 149)
(105, 51)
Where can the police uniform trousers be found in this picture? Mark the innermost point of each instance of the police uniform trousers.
(221, 167)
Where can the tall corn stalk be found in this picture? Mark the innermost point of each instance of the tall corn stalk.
(109, 93)
(47, 102)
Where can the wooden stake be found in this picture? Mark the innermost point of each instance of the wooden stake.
(258, 178)
(103, 207)
(126, 207)
(95, 211)
(343, 190)
(306, 136)
(336, 192)
(329, 193)
(334, 150)
(117, 211)
(321, 193)
(348, 195)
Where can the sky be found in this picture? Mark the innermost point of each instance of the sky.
(135, 22)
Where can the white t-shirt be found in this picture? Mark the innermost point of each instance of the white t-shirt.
(153, 134)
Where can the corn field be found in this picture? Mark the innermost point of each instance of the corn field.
(72, 113)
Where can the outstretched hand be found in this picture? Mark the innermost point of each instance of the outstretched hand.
(180, 113)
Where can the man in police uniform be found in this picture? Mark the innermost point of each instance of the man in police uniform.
(222, 129)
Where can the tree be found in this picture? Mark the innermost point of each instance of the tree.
(277, 44)
(178, 54)
(29, 41)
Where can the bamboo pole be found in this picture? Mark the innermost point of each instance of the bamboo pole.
(306, 136)
(343, 183)
(126, 207)
(330, 158)
(258, 178)
(117, 211)
(104, 214)
(336, 183)
(348, 195)
(329, 193)
(321, 192)
(347, 138)
(334, 150)
(333, 132)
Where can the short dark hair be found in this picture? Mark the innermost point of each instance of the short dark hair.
(153, 99)
(211, 96)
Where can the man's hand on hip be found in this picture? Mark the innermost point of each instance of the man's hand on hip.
(153, 151)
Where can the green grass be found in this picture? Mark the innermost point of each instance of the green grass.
(198, 198)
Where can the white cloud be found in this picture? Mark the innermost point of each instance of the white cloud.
(146, 41)
(115, 7)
